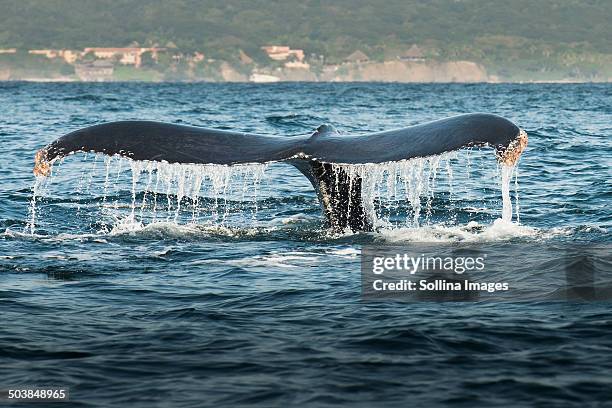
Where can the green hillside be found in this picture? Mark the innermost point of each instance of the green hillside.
(517, 35)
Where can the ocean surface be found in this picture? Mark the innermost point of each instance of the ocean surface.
(142, 286)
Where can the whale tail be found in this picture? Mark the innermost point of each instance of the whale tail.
(313, 155)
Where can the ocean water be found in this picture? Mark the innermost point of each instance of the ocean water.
(146, 286)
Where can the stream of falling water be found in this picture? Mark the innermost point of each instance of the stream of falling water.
(506, 174)
(31, 225)
(184, 185)
(396, 194)
(414, 182)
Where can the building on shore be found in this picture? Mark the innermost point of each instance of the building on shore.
(123, 55)
(70, 56)
(97, 71)
(263, 78)
(357, 57)
(297, 65)
(283, 53)
(46, 53)
(198, 57)
(413, 54)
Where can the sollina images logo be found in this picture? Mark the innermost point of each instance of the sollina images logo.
(413, 264)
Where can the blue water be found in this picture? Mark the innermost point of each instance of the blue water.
(252, 301)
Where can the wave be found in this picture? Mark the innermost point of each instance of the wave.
(302, 228)
(199, 110)
(90, 98)
(295, 121)
(499, 230)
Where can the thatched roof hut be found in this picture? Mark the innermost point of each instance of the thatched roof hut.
(357, 56)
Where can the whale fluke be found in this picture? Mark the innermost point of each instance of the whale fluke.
(313, 155)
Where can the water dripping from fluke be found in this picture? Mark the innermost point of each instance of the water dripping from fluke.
(393, 195)
(364, 183)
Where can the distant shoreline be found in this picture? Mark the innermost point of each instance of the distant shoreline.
(394, 71)
(73, 81)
